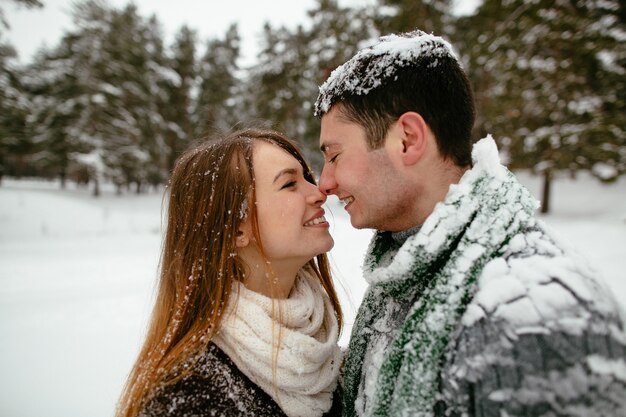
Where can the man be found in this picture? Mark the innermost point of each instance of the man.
(473, 308)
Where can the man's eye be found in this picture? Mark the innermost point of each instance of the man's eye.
(288, 185)
(331, 160)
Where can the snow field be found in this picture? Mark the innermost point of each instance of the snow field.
(77, 278)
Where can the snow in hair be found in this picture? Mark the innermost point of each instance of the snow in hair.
(372, 65)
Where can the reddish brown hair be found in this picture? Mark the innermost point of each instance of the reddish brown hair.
(209, 191)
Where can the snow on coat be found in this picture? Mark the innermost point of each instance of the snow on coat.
(215, 388)
(484, 313)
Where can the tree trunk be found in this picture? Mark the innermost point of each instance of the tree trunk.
(545, 199)
(96, 188)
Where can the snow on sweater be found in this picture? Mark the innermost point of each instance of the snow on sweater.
(483, 313)
(216, 388)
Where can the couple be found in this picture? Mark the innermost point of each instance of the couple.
(473, 308)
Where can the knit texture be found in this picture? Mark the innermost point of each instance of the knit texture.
(415, 345)
(304, 375)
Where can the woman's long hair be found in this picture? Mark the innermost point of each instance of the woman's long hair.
(209, 194)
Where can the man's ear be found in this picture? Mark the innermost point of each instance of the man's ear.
(414, 132)
(244, 234)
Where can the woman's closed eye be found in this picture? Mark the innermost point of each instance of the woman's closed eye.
(288, 184)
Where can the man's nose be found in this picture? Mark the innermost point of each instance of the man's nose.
(327, 183)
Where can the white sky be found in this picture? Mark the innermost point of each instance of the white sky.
(32, 28)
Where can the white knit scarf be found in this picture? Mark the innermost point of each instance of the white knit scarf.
(309, 358)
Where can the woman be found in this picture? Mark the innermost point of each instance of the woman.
(246, 319)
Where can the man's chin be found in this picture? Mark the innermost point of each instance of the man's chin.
(358, 224)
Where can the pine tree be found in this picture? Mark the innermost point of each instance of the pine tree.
(217, 102)
(15, 143)
(280, 85)
(550, 84)
(68, 100)
(99, 99)
(293, 63)
(55, 109)
(130, 113)
(434, 16)
(336, 34)
(153, 124)
(88, 62)
(179, 88)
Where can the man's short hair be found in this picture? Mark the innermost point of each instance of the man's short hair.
(415, 72)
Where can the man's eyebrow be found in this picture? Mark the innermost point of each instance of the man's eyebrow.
(286, 171)
(326, 147)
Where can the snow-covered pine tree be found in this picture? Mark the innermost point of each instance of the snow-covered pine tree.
(15, 142)
(54, 109)
(179, 90)
(433, 16)
(281, 85)
(131, 121)
(336, 34)
(293, 63)
(217, 104)
(550, 84)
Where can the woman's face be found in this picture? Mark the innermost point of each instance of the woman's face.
(291, 220)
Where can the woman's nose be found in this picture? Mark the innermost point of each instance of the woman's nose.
(316, 196)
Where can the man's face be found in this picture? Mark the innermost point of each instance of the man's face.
(366, 181)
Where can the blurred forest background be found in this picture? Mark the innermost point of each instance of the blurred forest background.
(112, 103)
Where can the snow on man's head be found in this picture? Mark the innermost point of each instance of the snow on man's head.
(372, 66)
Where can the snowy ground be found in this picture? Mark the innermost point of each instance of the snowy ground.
(77, 278)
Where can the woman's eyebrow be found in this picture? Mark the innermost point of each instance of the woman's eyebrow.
(290, 171)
